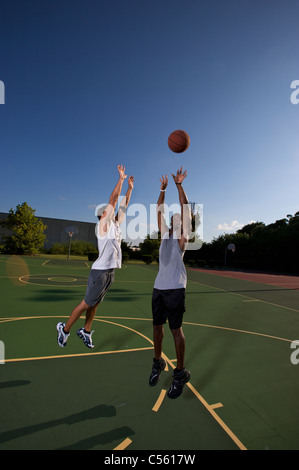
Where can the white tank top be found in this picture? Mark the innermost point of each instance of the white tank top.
(172, 272)
(109, 248)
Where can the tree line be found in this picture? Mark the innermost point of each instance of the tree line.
(273, 247)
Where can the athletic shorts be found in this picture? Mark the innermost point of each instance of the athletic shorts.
(98, 284)
(168, 304)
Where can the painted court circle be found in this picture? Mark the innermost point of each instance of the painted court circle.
(61, 280)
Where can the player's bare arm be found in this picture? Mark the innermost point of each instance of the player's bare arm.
(125, 202)
(185, 209)
(160, 205)
(109, 211)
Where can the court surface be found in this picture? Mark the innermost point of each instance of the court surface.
(239, 331)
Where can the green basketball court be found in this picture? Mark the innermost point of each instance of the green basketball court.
(243, 388)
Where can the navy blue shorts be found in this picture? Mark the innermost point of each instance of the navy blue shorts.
(98, 284)
(168, 304)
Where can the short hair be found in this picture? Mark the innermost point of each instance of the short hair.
(100, 210)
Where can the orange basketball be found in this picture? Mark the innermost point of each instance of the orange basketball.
(178, 141)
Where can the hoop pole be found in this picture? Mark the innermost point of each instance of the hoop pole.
(70, 242)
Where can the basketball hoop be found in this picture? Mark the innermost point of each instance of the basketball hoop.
(72, 230)
(231, 247)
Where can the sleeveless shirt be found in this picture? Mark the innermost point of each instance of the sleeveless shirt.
(172, 272)
(109, 248)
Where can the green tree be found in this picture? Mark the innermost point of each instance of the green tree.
(27, 231)
(150, 247)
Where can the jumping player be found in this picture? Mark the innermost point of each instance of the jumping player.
(168, 300)
(101, 275)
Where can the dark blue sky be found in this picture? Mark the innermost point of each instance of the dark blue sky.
(90, 84)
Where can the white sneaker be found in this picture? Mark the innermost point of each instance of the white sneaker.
(86, 337)
(62, 336)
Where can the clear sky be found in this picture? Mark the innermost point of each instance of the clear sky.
(91, 83)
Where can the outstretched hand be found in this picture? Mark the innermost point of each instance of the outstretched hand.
(164, 182)
(121, 171)
(179, 177)
(131, 182)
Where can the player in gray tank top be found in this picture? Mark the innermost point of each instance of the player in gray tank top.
(172, 272)
(168, 300)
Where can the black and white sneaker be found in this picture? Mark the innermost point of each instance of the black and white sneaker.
(180, 378)
(62, 336)
(158, 366)
(86, 337)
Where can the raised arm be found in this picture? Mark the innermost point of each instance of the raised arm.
(109, 211)
(160, 206)
(186, 227)
(125, 202)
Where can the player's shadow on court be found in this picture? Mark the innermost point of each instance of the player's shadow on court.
(96, 412)
(100, 439)
(14, 383)
(54, 295)
(120, 295)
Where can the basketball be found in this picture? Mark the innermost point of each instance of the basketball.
(178, 141)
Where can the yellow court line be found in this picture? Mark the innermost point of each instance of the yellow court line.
(75, 355)
(8, 319)
(242, 295)
(123, 444)
(218, 419)
(159, 400)
(196, 393)
(216, 405)
(127, 328)
(49, 285)
(239, 331)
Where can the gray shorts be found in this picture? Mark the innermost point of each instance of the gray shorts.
(98, 284)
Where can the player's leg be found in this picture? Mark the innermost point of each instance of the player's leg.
(99, 283)
(64, 329)
(159, 363)
(159, 318)
(75, 315)
(179, 341)
(158, 339)
(90, 314)
(85, 333)
(180, 375)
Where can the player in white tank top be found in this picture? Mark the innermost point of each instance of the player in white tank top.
(109, 247)
(109, 240)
